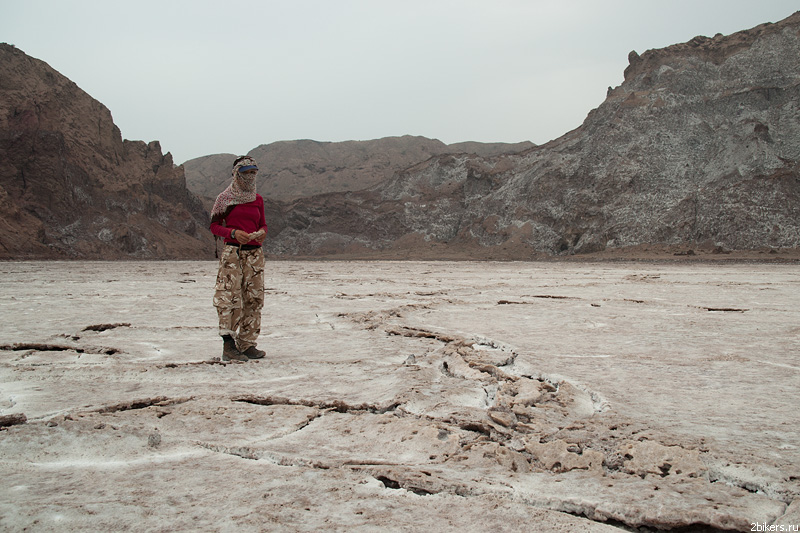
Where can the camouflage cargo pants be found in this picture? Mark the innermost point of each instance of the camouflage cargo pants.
(239, 294)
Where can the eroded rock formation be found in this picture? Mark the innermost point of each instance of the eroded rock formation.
(71, 187)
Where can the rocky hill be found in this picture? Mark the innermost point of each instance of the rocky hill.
(698, 148)
(294, 169)
(71, 187)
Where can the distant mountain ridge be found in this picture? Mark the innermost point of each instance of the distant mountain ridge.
(295, 169)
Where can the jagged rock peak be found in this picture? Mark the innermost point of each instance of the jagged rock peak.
(69, 178)
(715, 49)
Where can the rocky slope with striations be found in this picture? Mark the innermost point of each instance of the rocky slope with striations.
(698, 147)
(71, 187)
(294, 169)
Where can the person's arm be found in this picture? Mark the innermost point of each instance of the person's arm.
(219, 229)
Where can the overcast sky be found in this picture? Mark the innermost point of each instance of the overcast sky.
(206, 77)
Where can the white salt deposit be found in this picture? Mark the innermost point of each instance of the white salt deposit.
(402, 396)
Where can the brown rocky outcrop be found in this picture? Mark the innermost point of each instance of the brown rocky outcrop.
(71, 187)
(698, 147)
(289, 170)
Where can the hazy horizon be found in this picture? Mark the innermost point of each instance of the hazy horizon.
(203, 79)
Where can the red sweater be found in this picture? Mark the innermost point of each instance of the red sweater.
(247, 217)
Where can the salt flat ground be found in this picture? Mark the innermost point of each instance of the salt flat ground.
(401, 396)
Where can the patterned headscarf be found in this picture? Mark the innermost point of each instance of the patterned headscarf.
(242, 188)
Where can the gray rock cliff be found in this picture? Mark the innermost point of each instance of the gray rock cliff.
(699, 146)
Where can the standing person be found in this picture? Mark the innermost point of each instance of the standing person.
(238, 218)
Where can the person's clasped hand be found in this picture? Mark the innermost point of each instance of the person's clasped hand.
(242, 236)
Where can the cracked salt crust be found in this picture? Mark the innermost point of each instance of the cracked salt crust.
(492, 424)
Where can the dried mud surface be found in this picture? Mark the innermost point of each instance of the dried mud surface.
(402, 396)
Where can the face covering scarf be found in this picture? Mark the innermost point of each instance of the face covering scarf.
(241, 190)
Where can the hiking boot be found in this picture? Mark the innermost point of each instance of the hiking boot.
(254, 353)
(229, 350)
